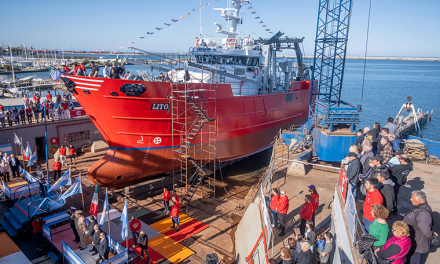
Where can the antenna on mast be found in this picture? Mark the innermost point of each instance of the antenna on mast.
(200, 7)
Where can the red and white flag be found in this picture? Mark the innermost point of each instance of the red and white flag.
(94, 205)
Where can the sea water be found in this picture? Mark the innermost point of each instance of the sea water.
(387, 83)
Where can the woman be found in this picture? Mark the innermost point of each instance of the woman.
(72, 154)
(5, 168)
(2, 118)
(379, 228)
(315, 200)
(397, 247)
(291, 246)
(310, 235)
(114, 74)
(273, 206)
(22, 115)
(25, 100)
(285, 256)
(29, 114)
(7, 159)
(16, 115)
(9, 117)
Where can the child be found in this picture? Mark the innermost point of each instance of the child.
(299, 238)
(320, 244)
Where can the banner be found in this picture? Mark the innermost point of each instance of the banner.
(351, 215)
(266, 216)
(343, 181)
(77, 112)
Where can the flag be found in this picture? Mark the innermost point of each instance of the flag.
(167, 24)
(27, 154)
(208, 4)
(159, 28)
(32, 159)
(189, 13)
(250, 7)
(104, 210)
(181, 17)
(257, 17)
(141, 37)
(94, 205)
(201, 6)
(261, 22)
(21, 149)
(174, 20)
(63, 180)
(124, 220)
(267, 29)
(264, 26)
(16, 139)
(74, 189)
(121, 47)
(254, 12)
(195, 10)
(131, 43)
(55, 74)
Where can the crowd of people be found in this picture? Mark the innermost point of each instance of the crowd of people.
(377, 168)
(33, 110)
(116, 71)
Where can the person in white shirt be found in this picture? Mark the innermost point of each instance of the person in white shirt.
(106, 72)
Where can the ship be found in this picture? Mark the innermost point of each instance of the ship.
(225, 100)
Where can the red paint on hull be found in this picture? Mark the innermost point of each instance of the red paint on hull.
(245, 125)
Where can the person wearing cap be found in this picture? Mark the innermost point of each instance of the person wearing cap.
(283, 206)
(373, 197)
(305, 214)
(353, 171)
(385, 149)
(71, 212)
(274, 202)
(395, 160)
(81, 228)
(315, 200)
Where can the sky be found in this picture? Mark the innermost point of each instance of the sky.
(405, 28)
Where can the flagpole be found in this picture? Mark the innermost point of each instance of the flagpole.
(126, 237)
(108, 214)
(22, 154)
(82, 194)
(45, 142)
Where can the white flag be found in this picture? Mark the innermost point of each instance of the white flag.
(16, 139)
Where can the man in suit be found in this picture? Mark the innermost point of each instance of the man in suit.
(91, 228)
(14, 163)
(103, 247)
(81, 228)
(95, 238)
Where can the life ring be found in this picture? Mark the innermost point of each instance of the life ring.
(256, 71)
(53, 150)
(232, 45)
(197, 42)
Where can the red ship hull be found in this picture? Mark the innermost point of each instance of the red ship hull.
(141, 139)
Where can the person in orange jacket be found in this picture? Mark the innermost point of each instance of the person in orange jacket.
(315, 200)
(273, 207)
(305, 214)
(283, 206)
(57, 168)
(174, 214)
(166, 200)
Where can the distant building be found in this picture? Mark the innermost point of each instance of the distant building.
(24, 64)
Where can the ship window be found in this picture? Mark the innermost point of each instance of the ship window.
(289, 97)
(78, 136)
(133, 89)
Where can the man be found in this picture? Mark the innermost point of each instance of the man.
(174, 214)
(325, 255)
(395, 160)
(305, 214)
(37, 226)
(384, 133)
(95, 238)
(315, 200)
(91, 227)
(377, 162)
(373, 197)
(399, 173)
(386, 151)
(71, 212)
(387, 191)
(135, 227)
(282, 208)
(106, 72)
(83, 69)
(143, 244)
(395, 143)
(62, 150)
(94, 71)
(175, 200)
(121, 71)
(360, 137)
(36, 110)
(366, 155)
(41, 180)
(305, 257)
(420, 223)
(48, 96)
(166, 200)
(103, 249)
(392, 129)
(353, 170)
(174, 194)
(81, 228)
(14, 163)
(57, 169)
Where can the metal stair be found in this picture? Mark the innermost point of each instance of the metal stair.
(13, 220)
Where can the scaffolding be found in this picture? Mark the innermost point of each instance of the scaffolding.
(194, 113)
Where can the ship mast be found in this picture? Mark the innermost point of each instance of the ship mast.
(232, 17)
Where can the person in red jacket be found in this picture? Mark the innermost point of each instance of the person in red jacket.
(174, 194)
(166, 200)
(283, 206)
(135, 227)
(66, 69)
(72, 154)
(175, 201)
(37, 226)
(373, 197)
(315, 200)
(305, 214)
(273, 206)
(57, 169)
(174, 214)
(62, 150)
(48, 96)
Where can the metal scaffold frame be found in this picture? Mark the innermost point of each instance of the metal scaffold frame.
(194, 114)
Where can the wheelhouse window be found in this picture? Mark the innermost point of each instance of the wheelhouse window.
(231, 60)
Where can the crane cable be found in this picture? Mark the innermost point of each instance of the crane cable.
(365, 57)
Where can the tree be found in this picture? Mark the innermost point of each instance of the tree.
(7, 67)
